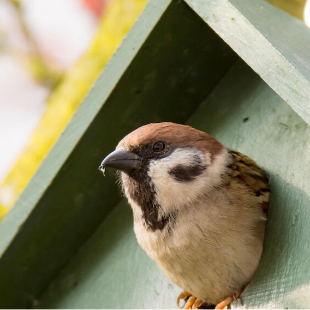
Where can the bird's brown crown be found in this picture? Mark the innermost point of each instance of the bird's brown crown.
(173, 134)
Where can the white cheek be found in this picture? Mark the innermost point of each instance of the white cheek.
(170, 193)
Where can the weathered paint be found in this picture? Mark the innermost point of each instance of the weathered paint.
(271, 42)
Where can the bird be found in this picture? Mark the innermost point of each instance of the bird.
(199, 209)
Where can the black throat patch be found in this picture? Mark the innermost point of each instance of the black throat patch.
(142, 191)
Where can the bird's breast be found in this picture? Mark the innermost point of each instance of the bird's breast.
(209, 250)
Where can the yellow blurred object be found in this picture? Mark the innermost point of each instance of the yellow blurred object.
(293, 7)
(66, 98)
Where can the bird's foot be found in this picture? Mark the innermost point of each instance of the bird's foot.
(228, 301)
(191, 303)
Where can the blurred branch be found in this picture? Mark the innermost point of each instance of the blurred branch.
(34, 62)
(24, 27)
(2, 40)
(42, 72)
(16, 3)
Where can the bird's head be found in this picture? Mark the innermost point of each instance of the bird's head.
(166, 166)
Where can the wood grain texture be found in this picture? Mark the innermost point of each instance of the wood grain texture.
(270, 41)
(111, 271)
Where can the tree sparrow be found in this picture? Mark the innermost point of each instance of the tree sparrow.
(200, 209)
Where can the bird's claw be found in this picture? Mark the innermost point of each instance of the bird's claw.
(197, 303)
(182, 296)
(192, 302)
(228, 301)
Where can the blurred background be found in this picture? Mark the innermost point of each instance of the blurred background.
(51, 52)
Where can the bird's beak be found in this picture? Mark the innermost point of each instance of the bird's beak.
(122, 160)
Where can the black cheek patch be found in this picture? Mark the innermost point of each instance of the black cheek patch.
(187, 173)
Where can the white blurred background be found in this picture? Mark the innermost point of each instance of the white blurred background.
(307, 13)
(61, 30)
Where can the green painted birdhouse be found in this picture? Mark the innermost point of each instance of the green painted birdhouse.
(238, 70)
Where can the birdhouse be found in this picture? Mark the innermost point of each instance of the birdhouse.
(238, 70)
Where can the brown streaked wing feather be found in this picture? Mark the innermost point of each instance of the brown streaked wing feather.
(251, 175)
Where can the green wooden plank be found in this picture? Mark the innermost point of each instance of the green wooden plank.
(111, 271)
(294, 41)
(271, 42)
(166, 66)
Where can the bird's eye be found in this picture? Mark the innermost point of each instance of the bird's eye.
(158, 146)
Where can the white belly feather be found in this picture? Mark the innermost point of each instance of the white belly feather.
(208, 260)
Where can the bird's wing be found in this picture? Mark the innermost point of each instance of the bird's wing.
(252, 176)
